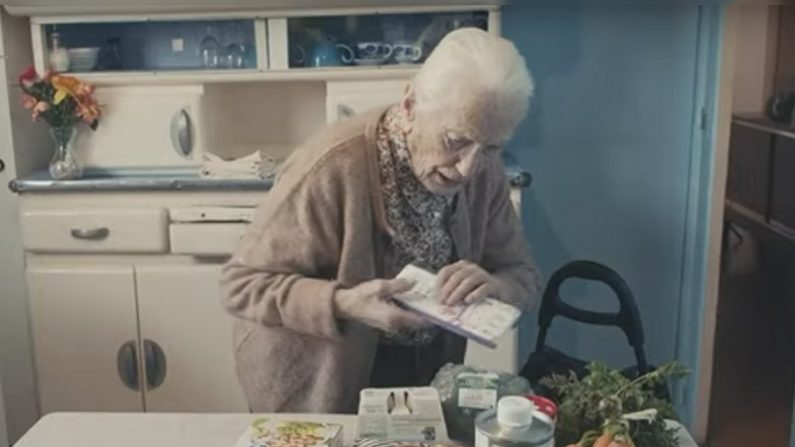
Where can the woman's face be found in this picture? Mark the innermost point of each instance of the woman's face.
(448, 147)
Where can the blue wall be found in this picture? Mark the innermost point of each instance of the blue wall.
(609, 141)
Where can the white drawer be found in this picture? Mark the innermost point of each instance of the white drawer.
(206, 239)
(129, 230)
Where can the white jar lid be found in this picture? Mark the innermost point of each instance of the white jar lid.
(515, 411)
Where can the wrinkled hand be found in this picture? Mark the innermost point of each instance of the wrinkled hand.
(369, 303)
(464, 282)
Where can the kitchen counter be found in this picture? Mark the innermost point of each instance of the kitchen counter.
(170, 429)
(41, 182)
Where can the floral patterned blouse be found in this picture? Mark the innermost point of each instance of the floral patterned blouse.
(418, 219)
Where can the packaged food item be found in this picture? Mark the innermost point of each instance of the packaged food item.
(385, 443)
(465, 392)
(401, 414)
(482, 322)
(516, 423)
(264, 432)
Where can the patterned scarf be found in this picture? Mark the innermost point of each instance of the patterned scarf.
(417, 217)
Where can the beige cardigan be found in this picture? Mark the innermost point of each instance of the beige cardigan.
(322, 227)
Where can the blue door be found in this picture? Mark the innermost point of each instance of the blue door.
(610, 143)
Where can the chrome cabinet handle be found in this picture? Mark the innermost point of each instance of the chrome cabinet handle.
(182, 133)
(127, 366)
(154, 364)
(90, 234)
(344, 111)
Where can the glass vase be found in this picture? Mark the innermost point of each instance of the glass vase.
(64, 164)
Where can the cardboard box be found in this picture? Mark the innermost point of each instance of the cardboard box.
(401, 414)
(268, 433)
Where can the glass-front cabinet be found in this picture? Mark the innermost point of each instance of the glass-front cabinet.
(251, 45)
(151, 45)
(372, 39)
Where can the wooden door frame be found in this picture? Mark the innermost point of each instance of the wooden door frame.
(708, 170)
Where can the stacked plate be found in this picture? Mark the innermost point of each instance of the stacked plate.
(83, 59)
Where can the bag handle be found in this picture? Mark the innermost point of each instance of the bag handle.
(627, 318)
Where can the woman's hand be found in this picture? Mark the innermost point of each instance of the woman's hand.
(369, 303)
(465, 282)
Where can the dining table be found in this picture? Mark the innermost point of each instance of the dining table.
(86, 429)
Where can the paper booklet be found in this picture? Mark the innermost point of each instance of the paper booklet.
(482, 322)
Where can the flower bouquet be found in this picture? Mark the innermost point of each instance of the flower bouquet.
(63, 102)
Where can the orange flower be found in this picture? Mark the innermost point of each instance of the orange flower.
(64, 86)
(88, 113)
(85, 90)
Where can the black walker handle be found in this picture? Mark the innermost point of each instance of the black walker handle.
(627, 318)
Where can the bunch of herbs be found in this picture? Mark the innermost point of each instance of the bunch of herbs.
(597, 406)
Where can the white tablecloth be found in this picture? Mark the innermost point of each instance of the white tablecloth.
(168, 429)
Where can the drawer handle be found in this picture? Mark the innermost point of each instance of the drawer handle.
(90, 234)
(127, 365)
(182, 134)
(154, 364)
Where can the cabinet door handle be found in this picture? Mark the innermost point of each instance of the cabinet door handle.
(127, 366)
(90, 234)
(154, 364)
(182, 133)
(344, 111)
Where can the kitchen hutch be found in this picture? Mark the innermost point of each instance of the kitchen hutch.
(123, 265)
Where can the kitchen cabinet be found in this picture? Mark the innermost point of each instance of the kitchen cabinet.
(85, 336)
(372, 39)
(146, 126)
(119, 44)
(235, 46)
(131, 327)
(187, 340)
(345, 99)
(132, 338)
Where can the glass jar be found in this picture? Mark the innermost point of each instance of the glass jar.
(59, 56)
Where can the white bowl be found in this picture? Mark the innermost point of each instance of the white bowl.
(83, 59)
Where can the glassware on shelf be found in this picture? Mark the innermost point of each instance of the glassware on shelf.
(110, 56)
(59, 56)
(235, 52)
(234, 56)
(209, 50)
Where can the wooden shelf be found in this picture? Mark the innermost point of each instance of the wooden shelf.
(252, 75)
(737, 212)
(765, 124)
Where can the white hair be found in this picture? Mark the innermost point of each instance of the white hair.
(470, 61)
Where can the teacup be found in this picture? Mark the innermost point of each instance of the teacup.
(373, 51)
(405, 53)
(330, 54)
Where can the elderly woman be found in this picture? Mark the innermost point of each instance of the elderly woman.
(417, 182)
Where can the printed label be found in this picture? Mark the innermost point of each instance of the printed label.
(477, 390)
(478, 399)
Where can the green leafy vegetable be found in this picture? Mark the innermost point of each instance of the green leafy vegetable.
(603, 401)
